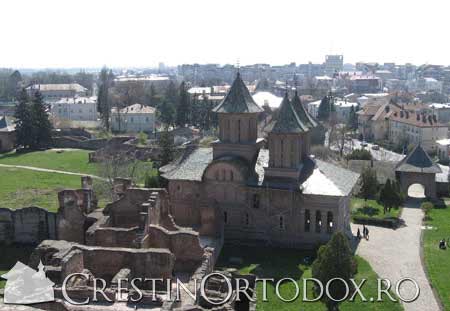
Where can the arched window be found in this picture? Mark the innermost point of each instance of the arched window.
(307, 221)
(231, 175)
(247, 219)
(281, 152)
(318, 221)
(239, 130)
(255, 200)
(281, 223)
(225, 217)
(330, 223)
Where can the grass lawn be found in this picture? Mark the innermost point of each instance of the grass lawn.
(71, 160)
(278, 264)
(438, 261)
(22, 188)
(371, 208)
(10, 255)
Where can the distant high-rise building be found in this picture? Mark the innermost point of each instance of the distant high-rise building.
(333, 63)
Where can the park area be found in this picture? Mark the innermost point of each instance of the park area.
(437, 260)
(371, 209)
(23, 187)
(295, 264)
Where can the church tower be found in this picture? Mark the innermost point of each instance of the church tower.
(238, 124)
(289, 140)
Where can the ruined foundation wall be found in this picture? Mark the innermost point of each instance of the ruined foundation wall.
(29, 225)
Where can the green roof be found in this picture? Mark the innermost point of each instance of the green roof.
(288, 120)
(238, 99)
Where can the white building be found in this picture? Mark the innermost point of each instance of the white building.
(264, 98)
(442, 111)
(342, 107)
(416, 128)
(54, 92)
(443, 149)
(75, 109)
(135, 118)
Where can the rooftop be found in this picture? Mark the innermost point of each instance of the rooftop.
(136, 108)
(6, 125)
(58, 87)
(76, 100)
(264, 98)
(418, 161)
(338, 181)
(238, 100)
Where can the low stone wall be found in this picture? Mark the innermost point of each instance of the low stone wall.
(83, 143)
(29, 225)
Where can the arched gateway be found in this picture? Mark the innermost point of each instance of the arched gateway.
(418, 168)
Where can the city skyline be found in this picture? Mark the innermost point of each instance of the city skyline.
(92, 34)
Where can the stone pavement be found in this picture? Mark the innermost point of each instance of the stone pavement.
(395, 254)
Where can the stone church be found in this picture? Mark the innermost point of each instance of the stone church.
(279, 196)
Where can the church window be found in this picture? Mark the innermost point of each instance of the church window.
(247, 220)
(225, 217)
(224, 177)
(292, 155)
(330, 223)
(239, 130)
(217, 175)
(318, 221)
(255, 200)
(231, 175)
(307, 221)
(281, 152)
(281, 223)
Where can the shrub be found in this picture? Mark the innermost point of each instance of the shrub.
(360, 154)
(142, 139)
(427, 207)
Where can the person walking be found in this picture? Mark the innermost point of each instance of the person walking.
(364, 231)
(358, 234)
(367, 234)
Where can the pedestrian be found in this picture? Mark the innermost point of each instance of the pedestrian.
(367, 234)
(358, 234)
(364, 231)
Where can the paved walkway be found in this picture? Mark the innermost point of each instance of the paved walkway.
(45, 170)
(395, 254)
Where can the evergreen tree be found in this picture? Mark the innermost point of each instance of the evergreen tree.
(390, 196)
(103, 100)
(352, 121)
(167, 147)
(369, 183)
(23, 122)
(325, 109)
(166, 113)
(171, 94)
(334, 260)
(183, 108)
(41, 125)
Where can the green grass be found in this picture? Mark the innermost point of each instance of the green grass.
(75, 160)
(22, 188)
(278, 264)
(371, 209)
(10, 255)
(437, 261)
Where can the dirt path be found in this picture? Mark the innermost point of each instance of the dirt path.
(45, 170)
(395, 254)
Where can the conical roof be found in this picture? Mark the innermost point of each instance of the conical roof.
(302, 114)
(288, 121)
(418, 161)
(238, 99)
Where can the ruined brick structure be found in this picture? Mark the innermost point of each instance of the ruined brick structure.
(280, 196)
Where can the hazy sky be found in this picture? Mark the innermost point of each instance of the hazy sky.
(93, 33)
